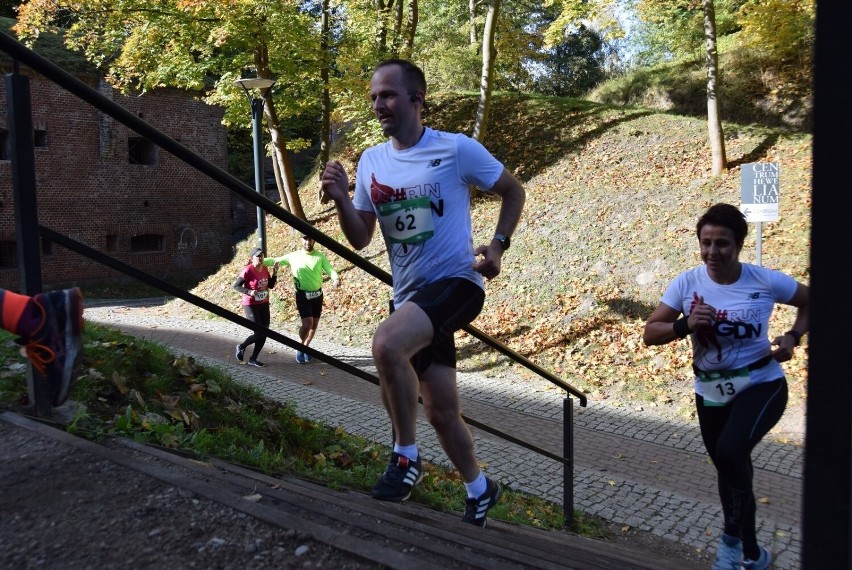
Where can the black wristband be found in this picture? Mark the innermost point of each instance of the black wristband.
(681, 327)
(797, 336)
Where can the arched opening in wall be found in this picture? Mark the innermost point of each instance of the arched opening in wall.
(146, 243)
(141, 151)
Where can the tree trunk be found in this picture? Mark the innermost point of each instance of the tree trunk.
(284, 178)
(714, 124)
(325, 128)
(471, 8)
(410, 28)
(488, 56)
(382, 10)
(397, 29)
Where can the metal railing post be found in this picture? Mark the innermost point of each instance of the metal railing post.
(568, 455)
(22, 149)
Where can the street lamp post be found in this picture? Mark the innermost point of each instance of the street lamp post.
(256, 104)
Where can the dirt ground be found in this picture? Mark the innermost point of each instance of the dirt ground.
(65, 509)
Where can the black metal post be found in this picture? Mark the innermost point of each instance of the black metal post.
(259, 176)
(20, 121)
(568, 454)
(827, 498)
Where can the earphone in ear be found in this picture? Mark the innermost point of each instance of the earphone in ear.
(415, 98)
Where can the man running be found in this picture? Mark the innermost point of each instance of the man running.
(417, 187)
(307, 267)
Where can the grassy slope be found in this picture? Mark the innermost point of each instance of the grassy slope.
(613, 195)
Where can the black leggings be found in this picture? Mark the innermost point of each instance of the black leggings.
(730, 434)
(257, 314)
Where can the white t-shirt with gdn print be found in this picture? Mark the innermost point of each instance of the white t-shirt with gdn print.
(421, 197)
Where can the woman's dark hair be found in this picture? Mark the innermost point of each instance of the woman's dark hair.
(727, 216)
(412, 75)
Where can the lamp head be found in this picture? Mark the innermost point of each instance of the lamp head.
(255, 83)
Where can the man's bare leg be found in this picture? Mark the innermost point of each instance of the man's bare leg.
(443, 410)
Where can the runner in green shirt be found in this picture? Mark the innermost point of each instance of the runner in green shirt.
(307, 267)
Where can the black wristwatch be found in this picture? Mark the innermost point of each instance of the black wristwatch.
(504, 240)
(797, 336)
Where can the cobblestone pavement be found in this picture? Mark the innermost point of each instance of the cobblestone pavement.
(630, 467)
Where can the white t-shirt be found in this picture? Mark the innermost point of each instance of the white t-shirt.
(421, 196)
(740, 335)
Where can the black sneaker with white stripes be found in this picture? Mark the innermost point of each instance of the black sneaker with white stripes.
(401, 476)
(476, 509)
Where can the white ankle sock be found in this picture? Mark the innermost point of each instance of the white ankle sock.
(476, 487)
(409, 451)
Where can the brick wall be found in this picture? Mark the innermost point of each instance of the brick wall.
(165, 218)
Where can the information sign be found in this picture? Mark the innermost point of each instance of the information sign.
(760, 191)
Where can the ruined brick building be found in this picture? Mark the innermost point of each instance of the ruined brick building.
(100, 183)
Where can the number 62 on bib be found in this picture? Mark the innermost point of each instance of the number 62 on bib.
(407, 221)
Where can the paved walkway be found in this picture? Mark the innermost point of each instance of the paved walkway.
(630, 467)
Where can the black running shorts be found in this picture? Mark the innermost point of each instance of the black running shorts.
(450, 304)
